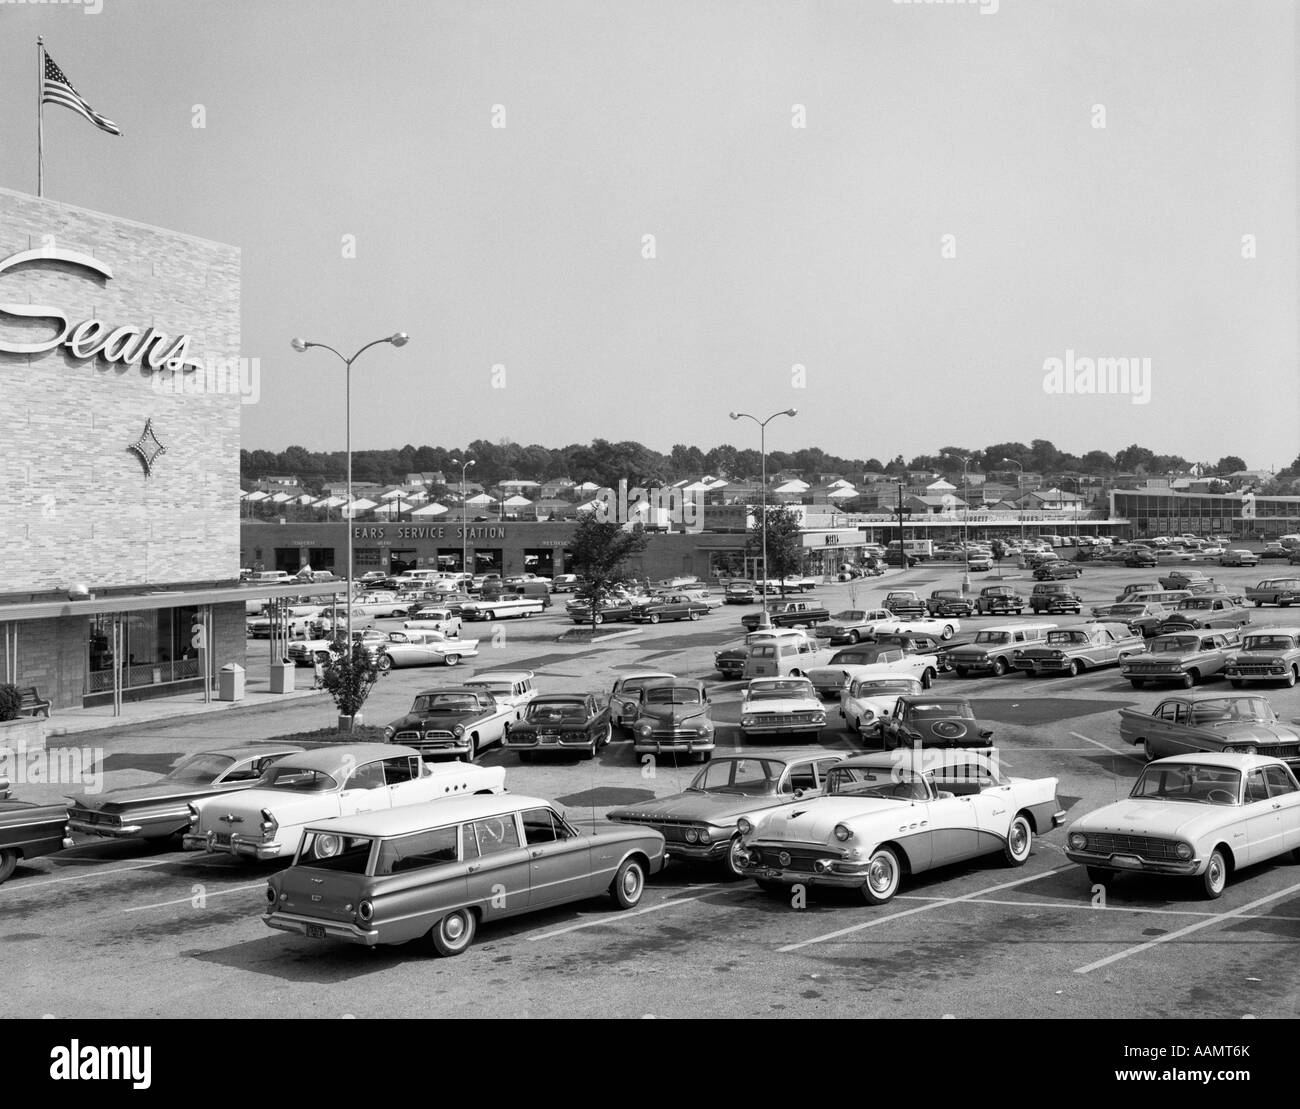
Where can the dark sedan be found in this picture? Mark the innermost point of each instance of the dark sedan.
(933, 722)
(561, 722)
(27, 831)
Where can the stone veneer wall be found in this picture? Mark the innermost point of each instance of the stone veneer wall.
(75, 503)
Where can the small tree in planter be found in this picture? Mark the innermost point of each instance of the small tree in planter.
(10, 702)
(349, 680)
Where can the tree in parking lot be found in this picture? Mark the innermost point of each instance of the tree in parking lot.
(784, 542)
(600, 553)
(350, 678)
(999, 551)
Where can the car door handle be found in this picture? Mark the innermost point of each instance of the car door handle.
(1278, 805)
(471, 869)
(536, 854)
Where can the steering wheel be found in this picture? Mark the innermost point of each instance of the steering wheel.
(1220, 797)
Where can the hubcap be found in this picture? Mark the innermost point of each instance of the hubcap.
(453, 928)
(1019, 838)
(881, 874)
(631, 882)
(1216, 873)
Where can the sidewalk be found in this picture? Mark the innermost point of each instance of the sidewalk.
(100, 718)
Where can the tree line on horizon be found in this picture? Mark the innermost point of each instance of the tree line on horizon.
(606, 463)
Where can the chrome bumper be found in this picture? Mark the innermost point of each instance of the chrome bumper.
(238, 845)
(1143, 866)
(653, 746)
(108, 830)
(803, 877)
(333, 929)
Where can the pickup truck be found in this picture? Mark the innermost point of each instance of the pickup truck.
(788, 614)
(502, 608)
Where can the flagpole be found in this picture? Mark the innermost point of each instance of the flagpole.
(40, 116)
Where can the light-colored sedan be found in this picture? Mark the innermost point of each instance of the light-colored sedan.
(1195, 816)
(871, 695)
(267, 822)
(781, 706)
(423, 647)
(1237, 557)
(894, 813)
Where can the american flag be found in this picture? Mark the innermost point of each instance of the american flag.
(57, 89)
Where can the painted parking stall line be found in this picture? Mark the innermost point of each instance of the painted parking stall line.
(1106, 747)
(919, 909)
(1218, 918)
(614, 918)
(1091, 908)
(190, 899)
(88, 875)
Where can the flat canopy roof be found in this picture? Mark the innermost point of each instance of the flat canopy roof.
(148, 599)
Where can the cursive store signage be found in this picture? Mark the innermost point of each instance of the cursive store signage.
(126, 346)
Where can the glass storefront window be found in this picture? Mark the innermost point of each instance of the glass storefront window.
(156, 648)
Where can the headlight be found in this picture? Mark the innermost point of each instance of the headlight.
(1249, 749)
(819, 718)
(746, 721)
(366, 910)
(270, 895)
(867, 714)
(1184, 851)
(326, 847)
(691, 835)
(843, 832)
(458, 730)
(743, 826)
(644, 729)
(704, 835)
(1078, 841)
(1018, 653)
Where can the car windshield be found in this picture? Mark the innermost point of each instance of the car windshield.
(752, 777)
(1220, 710)
(298, 779)
(555, 712)
(928, 709)
(871, 781)
(1173, 645)
(1269, 643)
(200, 769)
(636, 685)
(993, 637)
(793, 687)
(1189, 781)
(884, 688)
(497, 689)
(900, 596)
(850, 614)
(1067, 637)
(864, 657)
(673, 695)
(445, 702)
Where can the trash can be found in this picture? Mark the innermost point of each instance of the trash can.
(282, 676)
(230, 683)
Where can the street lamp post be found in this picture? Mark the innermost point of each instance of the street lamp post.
(965, 519)
(400, 339)
(464, 527)
(764, 621)
(1020, 507)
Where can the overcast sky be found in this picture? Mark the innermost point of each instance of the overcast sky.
(775, 246)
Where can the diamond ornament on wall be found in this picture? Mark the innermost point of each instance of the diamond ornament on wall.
(148, 447)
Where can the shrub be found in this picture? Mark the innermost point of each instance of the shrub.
(10, 702)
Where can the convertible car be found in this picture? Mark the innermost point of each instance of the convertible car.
(161, 808)
(700, 824)
(1195, 816)
(895, 813)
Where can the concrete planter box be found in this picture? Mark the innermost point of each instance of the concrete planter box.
(347, 723)
(25, 733)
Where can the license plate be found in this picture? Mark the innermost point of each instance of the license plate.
(315, 931)
(1128, 862)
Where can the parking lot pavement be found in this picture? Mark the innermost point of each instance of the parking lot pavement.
(970, 940)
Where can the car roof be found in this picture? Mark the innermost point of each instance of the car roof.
(406, 819)
(334, 760)
(247, 752)
(1270, 629)
(501, 676)
(558, 698)
(774, 680)
(644, 674)
(1233, 759)
(669, 682)
(464, 687)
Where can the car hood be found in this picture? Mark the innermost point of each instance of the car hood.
(1259, 658)
(814, 822)
(1251, 732)
(780, 704)
(716, 808)
(1153, 817)
(433, 719)
(977, 650)
(675, 714)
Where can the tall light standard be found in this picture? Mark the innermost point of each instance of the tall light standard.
(1020, 507)
(764, 621)
(398, 340)
(965, 518)
(464, 526)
